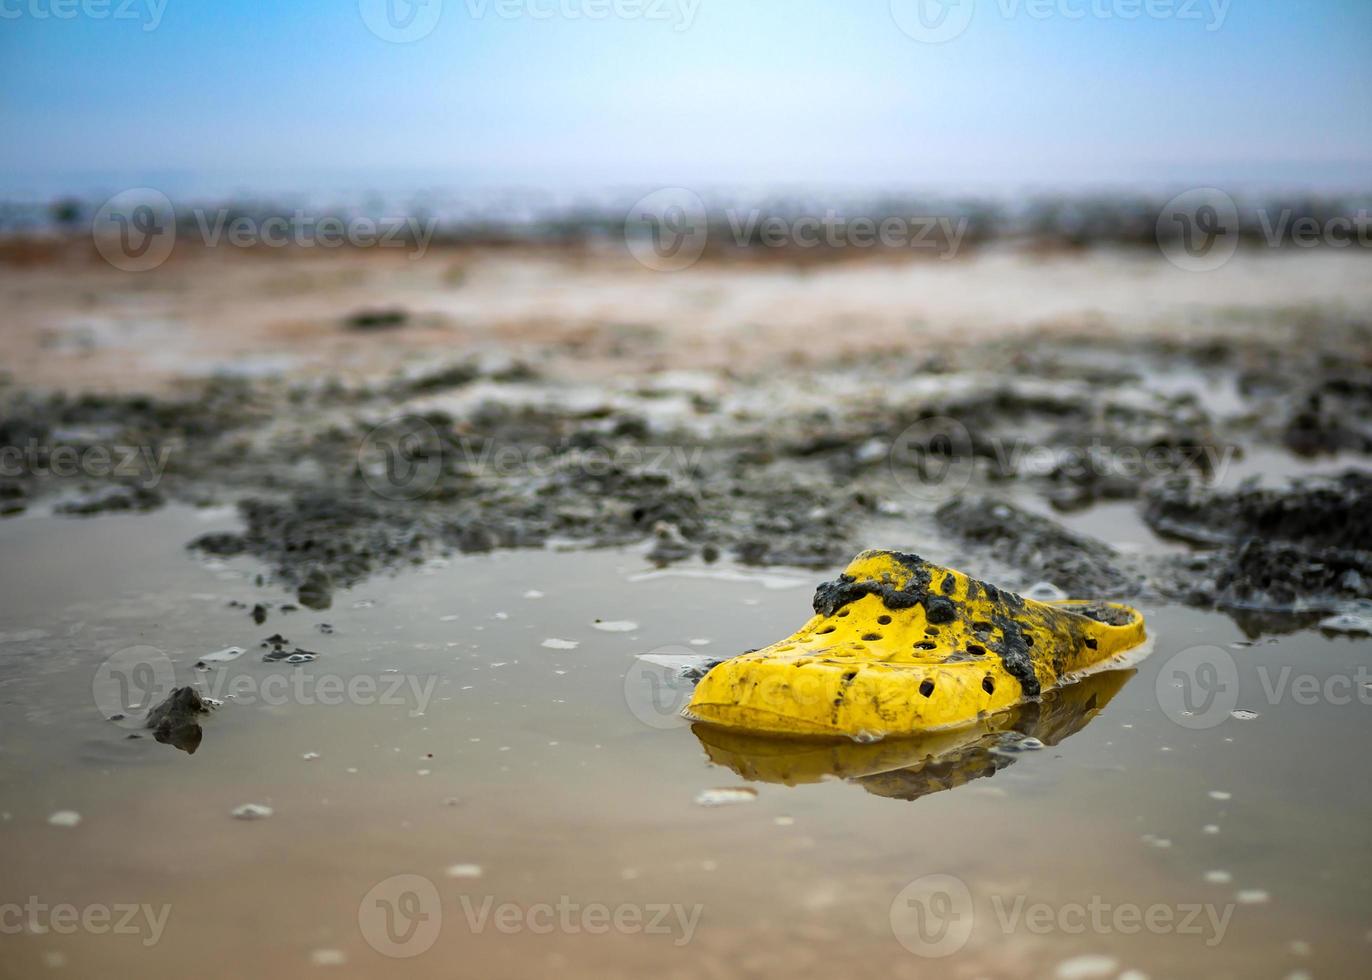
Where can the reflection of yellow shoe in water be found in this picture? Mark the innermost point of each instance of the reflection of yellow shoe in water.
(899, 646)
(908, 768)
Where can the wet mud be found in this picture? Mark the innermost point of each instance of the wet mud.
(337, 481)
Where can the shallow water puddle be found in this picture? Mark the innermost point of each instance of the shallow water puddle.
(440, 793)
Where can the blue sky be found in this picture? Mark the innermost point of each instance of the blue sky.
(820, 92)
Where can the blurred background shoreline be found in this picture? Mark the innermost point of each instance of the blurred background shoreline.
(539, 215)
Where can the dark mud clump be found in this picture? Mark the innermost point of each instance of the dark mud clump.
(127, 499)
(1332, 415)
(1305, 548)
(380, 319)
(1039, 549)
(830, 597)
(112, 453)
(503, 477)
(317, 537)
(1315, 511)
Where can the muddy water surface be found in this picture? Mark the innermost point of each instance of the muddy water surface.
(452, 796)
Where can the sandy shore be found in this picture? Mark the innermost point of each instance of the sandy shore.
(75, 323)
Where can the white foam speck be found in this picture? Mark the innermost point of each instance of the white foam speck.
(1087, 967)
(1044, 592)
(222, 656)
(553, 643)
(1351, 623)
(65, 818)
(615, 625)
(464, 871)
(726, 796)
(252, 811)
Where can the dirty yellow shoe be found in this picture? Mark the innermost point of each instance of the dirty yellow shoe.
(899, 646)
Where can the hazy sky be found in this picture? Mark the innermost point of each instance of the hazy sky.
(1056, 92)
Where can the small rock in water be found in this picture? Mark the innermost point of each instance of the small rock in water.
(252, 811)
(615, 625)
(726, 796)
(176, 721)
(65, 818)
(553, 643)
(1243, 714)
(464, 871)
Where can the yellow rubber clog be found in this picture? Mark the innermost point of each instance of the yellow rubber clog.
(899, 646)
